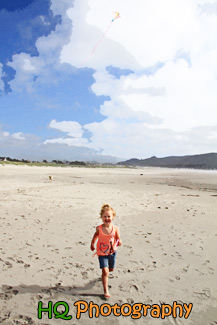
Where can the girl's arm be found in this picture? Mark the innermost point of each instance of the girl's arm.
(118, 237)
(94, 239)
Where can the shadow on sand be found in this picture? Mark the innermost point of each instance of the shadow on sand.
(7, 292)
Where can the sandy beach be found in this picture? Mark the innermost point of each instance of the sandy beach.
(168, 225)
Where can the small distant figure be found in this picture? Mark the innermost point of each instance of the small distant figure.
(51, 178)
(108, 239)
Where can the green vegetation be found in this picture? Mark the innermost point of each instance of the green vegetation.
(53, 164)
(38, 164)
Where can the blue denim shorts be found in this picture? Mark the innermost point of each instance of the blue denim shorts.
(107, 260)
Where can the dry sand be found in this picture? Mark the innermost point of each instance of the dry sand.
(168, 224)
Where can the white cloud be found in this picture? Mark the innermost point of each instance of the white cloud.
(28, 65)
(32, 148)
(209, 7)
(137, 140)
(73, 132)
(49, 47)
(60, 7)
(85, 36)
(177, 99)
(189, 99)
(162, 112)
(73, 129)
(18, 136)
(78, 142)
(148, 32)
(1, 75)
(7, 136)
(3, 134)
(212, 136)
(177, 96)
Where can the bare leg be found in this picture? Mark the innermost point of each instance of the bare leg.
(105, 273)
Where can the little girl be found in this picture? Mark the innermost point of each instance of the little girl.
(108, 239)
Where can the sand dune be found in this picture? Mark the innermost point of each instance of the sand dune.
(167, 220)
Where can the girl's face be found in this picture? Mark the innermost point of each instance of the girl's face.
(107, 217)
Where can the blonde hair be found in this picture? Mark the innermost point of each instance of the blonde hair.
(107, 207)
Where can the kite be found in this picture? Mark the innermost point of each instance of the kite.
(117, 15)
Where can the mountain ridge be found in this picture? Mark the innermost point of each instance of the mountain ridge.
(200, 161)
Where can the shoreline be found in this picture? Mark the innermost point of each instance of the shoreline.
(110, 167)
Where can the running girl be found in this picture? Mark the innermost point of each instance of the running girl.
(108, 239)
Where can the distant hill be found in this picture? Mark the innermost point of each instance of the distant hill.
(205, 161)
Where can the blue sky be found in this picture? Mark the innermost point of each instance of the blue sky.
(148, 88)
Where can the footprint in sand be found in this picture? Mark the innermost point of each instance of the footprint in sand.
(84, 275)
(9, 294)
(133, 288)
(20, 261)
(4, 316)
(26, 265)
(179, 255)
(80, 243)
(211, 271)
(177, 277)
(200, 273)
(26, 319)
(204, 294)
(56, 250)
(9, 265)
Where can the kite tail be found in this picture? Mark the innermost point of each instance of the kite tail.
(100, 40)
